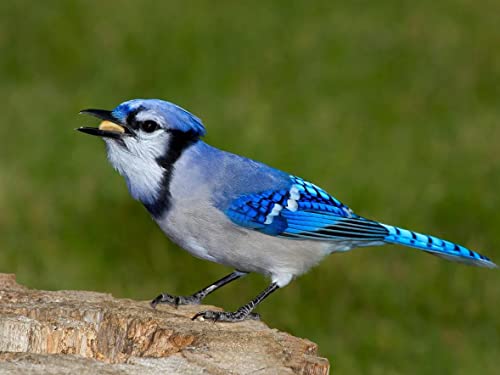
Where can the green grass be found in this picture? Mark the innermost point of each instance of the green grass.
(392, 106)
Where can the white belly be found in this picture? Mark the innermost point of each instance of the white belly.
(208, 234)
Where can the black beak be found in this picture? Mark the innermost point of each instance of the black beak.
(104, 115)
(98, 132)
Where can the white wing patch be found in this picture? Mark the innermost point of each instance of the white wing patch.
(291, 205)
(274, 212)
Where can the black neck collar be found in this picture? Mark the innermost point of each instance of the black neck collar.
(179, 142)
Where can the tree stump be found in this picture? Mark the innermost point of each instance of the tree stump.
(78, 332)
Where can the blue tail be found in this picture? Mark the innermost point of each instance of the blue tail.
(436, 246)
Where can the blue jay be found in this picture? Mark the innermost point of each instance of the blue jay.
(235, 211)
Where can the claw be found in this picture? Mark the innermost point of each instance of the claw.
(156, 301)
(175, 301)
(253, 316)
(224, 316)
(197, 315)
(207, 315)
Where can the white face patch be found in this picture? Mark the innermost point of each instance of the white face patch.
(137, 162)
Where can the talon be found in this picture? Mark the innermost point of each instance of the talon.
(253, 316)
(214, 316)
(224, 316)
(156, 301)
(197, 315)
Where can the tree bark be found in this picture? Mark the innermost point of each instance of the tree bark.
(47, 332)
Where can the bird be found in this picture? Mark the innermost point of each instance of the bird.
(235, 211)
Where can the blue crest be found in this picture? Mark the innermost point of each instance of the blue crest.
(175, 116)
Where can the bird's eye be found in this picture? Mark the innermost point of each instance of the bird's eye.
(149, 126)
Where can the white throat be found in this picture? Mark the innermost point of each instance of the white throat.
(142, 173)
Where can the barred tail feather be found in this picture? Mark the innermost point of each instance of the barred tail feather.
(436, 246)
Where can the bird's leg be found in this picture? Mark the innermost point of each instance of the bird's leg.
(244, 312)
(196, 298)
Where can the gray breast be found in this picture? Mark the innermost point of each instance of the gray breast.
(204, 181)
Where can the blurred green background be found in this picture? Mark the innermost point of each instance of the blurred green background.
(392, 106)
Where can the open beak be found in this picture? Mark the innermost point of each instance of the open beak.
(110, 127)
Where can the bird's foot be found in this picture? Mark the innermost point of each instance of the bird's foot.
(175, 300)
(225, 316)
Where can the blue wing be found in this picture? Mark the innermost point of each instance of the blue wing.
(305, 211)
(302, 211)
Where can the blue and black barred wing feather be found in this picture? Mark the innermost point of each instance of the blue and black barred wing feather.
(305, 211)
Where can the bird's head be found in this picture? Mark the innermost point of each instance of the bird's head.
(144, 138)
